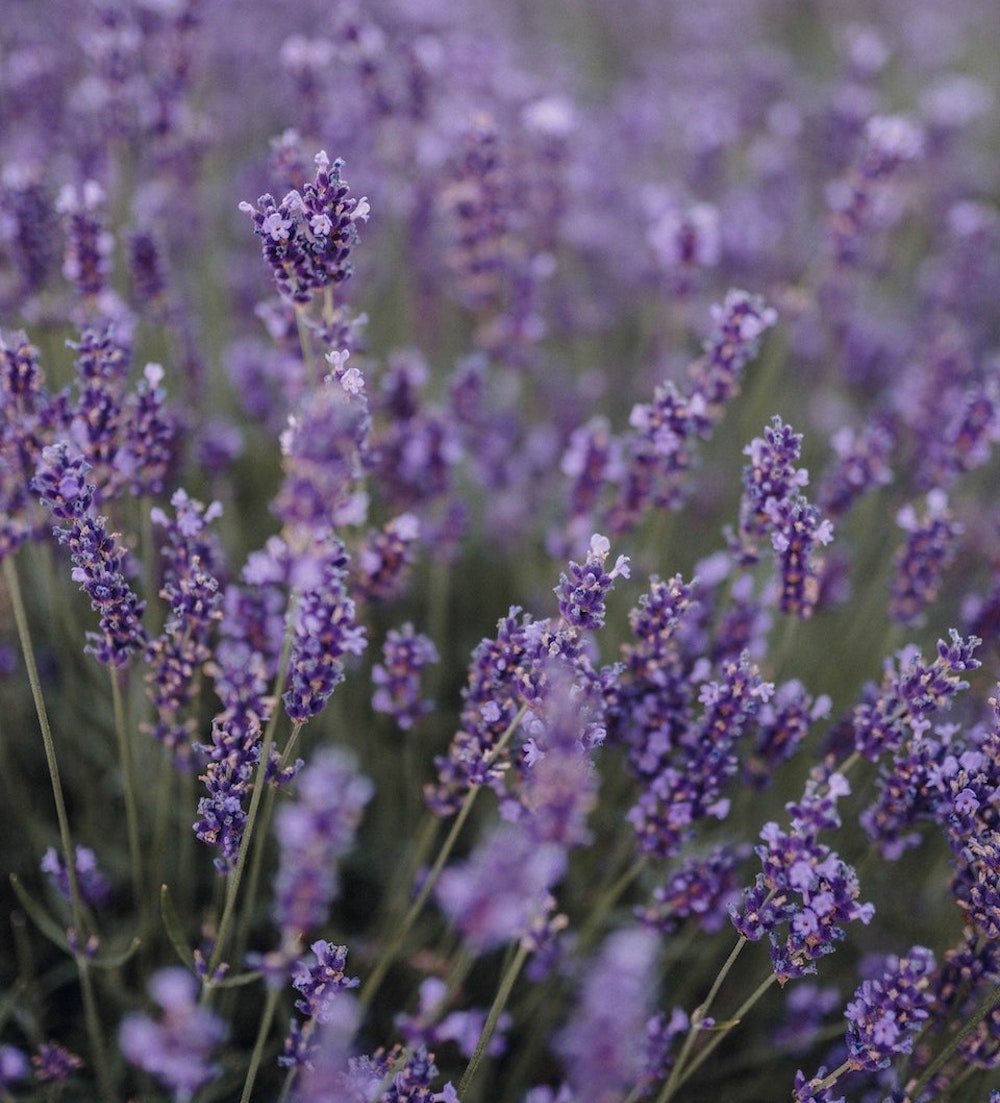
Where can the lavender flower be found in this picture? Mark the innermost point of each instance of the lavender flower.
(148, 435)
(405, 653)
(192, 590)
(313, 833)
(324, 632)
(95, 888)
(885, 1014)
(581, 595)
(177, 1047)
(54, 1063)
(318, 980)
(307, 238)
(87, 263)
(927, 552)
(383, 562)
(502, 889)
(14, 1066)
(805, 889)
(602, 1046)
(98, 558)
(862, 464)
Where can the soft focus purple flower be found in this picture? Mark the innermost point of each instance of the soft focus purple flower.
(861, 465)
(314, 831)
(433, 1025)
(89, 245)
(149, 430)
(405, 653)
(384, 560)
(602, 1045)
(98, 558)
(702, 888)
(14, 1066)
(928, 550)
(177, 1047)
(55, 1063)
(95, 888)
(495, 895)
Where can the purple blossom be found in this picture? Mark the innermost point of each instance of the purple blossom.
(581, 594)
(701, 888)
(861, 465)
(89, 246)
(383, 562)
(431, 1027)
(148, 436)
(308, 237)
(54, 1063)
(806, 892)
(314, 832)
(191, 588)
(177, 1047)
(886, 1013)
(405, 653)
(14, 1066)
(324, 632)
(911, 694)
(500, 891)
(94, 887)
(927, 552)
(98, 558)
(602, 1045)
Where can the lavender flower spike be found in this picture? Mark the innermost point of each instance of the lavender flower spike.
(98, 558)
(177, 1048)
(581, 595)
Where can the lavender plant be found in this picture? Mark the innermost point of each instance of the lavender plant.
(432, 666)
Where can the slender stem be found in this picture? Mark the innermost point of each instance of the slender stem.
(129, 789)
(258, 1050)
(98, 1055)
(371, 986)
(496, 1010)
(985, 1006)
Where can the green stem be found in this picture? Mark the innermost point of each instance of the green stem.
(91, 1017)
(258, 1050)
(131, 808)
(371, 986)
(499, 1003)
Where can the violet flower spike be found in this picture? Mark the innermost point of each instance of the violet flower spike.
(98, 558)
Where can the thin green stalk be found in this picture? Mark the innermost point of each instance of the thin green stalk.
(263, 1030)
(679, 1072)
(371, 986)
(129, 789)
(92, 1019)
(499, 1003)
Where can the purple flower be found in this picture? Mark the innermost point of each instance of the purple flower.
(862, 464)
(13, 1066)
(320, 978)
(405, 653)
(314, 831)
(95, 888)
(98, 558)
(325, 631)
(603, 1044)
(886, 1013)
(177, 1047)
(307, 238)
(928, 550)
(500, 891)
(55, 1063)
(581, 594)
(909, 696)
(806, 892)
(384, 561)
(148, 435)
(89, 246)
(192, 589)
(700, 889)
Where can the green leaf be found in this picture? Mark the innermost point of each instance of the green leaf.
(39, 916)
(113, 961)
(172, 924)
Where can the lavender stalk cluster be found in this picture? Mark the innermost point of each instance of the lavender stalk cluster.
(550, 583)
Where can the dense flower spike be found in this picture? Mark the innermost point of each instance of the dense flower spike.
(324, 633)
(806, 893)
(926, 554)
(177, 1047)
(98, 558)
(581, 594)
(405, 653)
(191, 588)
(313, 833)
(307, 238)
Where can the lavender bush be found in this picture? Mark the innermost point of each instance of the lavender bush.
(499, 530)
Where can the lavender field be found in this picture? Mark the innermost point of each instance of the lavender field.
(500, 527)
